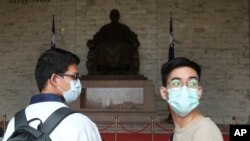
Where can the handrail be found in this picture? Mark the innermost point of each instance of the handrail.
(152, 128)
(118, 123)
(4, 122)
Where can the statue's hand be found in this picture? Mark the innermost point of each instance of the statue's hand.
(134, 41)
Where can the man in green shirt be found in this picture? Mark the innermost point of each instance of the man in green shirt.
(182, 91)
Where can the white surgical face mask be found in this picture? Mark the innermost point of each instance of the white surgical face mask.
(73, 93)
(183, 100)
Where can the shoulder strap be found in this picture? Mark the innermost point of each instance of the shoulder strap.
(172, 137)
(55, 118)
(20, 118)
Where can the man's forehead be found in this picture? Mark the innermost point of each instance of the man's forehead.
(73, 68)
(183, 73)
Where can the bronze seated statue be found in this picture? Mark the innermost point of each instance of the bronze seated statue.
(113, 50)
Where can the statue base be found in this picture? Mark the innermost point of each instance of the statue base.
(130, 100)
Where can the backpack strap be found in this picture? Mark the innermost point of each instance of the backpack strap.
(20, 118)
(54, 119)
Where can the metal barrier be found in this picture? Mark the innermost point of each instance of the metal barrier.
(4, 122)
(152, 128)
(117, 125)
(152, 123)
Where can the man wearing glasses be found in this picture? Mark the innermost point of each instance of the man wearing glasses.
(57, 78)
(182, 91)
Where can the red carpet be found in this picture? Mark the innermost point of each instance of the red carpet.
(140, 137)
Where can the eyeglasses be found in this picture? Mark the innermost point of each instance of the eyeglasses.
(177, 83)
(75, 76)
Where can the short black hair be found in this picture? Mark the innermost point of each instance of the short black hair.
(53, 61)
(169, 66)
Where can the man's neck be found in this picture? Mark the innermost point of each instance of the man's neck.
(50, 90)
(181, 122)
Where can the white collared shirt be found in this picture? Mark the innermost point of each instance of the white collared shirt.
(75, 127)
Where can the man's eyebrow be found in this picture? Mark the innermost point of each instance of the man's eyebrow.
(174, 78)
(193, 77)
(178, 78)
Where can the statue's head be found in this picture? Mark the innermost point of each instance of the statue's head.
(114, 15)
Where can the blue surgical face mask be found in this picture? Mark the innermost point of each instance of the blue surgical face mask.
(73, 93)
(183, 100)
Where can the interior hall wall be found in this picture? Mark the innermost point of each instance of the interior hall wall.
(213, 33)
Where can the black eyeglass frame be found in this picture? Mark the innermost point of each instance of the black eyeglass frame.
(75, 76)
(185, 83)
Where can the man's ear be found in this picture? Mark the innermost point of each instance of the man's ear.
(200, 91)
(164, 93)
(54, 79)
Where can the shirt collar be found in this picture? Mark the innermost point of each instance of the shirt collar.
(46, 98)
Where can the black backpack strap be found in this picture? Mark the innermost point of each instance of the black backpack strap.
(54, 119)
(20, 118)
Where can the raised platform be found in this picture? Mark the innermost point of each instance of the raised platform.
(131, 100)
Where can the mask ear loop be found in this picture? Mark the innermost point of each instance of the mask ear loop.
(167, 98)
(165, 91)
(60, 89)
(167, 94)
(52, 79)
(61, 77)
(62, 95)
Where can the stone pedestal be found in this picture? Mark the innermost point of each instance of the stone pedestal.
(130, 100)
